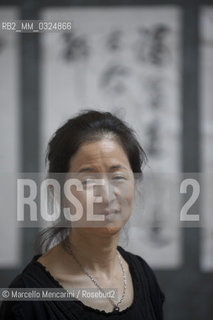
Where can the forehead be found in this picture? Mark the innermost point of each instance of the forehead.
(100, 154)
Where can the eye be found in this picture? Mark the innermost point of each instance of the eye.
(118, 178)
(88, 182)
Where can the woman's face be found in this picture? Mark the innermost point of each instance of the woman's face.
(107, 186)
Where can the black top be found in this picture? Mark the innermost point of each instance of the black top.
(147, 303)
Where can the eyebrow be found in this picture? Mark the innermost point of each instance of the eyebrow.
(90, 169)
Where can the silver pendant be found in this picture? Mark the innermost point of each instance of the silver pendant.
(116, 309)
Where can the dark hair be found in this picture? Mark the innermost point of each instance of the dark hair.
(88, 125)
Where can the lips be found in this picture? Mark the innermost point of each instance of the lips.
(111, 215)
(108, 212)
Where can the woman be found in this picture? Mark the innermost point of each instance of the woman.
(94, 146)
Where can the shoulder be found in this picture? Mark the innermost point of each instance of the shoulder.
(144, 273)
(138, 261)
(146, 282)
(12, 310)
(17, 309)
(23, 310)
(29, 276)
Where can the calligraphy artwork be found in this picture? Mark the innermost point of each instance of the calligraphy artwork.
(206, 82)
(9, 143)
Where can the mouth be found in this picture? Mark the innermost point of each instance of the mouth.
(111, 215)
(110, 212)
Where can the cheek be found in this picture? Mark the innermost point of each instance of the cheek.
(127, 192)
(86, 199)
(129, 201)
(130, 195)
(74, 199)
(125, 197)
(122, 199)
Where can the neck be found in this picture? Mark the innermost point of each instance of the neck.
(96, 253)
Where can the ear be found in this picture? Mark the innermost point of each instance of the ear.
(136, 185)
(52, 193)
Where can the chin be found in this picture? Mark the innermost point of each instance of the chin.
(109, 230)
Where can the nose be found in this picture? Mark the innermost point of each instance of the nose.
(107, 192)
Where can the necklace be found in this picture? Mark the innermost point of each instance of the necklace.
(67, 248)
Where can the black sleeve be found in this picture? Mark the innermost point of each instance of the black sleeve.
(21, 309)
(29, 310)
(156, 295)
(9, 310)
(26, 310)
